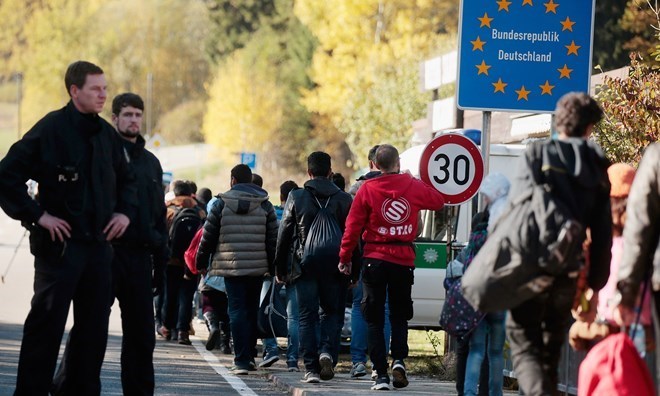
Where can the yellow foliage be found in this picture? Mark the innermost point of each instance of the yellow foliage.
(244, 108)
(358, 37)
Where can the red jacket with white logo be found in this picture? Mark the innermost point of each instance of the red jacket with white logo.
(385, 212)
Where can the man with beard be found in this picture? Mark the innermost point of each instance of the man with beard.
(143, 246)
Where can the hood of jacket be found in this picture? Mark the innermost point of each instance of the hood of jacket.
(581, 158)
(244, 197)
(322, 187)
(391, 185)
(370, 175)
(183, 201)
(496, 187)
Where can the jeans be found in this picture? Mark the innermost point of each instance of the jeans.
(489, 332)
(462, 352)
(270, 344)
(359, 327)
(381, 278)
(243, 301)
(537, 330)
(177, 306)
(329, 293)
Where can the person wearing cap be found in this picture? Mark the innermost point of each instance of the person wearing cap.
(621, 177)
(641, 235)
(488, 336)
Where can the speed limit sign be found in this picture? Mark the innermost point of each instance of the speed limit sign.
(452, 164)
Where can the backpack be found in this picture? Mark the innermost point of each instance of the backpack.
(272, 317)
(613, 367)
(321, 248)
(458, 318)
(535, 239)
(190, 254)
(185, 224)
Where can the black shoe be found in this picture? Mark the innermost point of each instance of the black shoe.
(327, 372)
(399, 378)
(382, 383)
(212, 341)
(184, 339)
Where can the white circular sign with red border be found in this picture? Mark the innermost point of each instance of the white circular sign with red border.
(453, 165)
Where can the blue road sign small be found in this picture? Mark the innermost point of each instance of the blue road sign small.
(249, 159)
(523, 55)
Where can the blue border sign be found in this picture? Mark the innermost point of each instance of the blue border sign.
(249, 159)
(523, 55)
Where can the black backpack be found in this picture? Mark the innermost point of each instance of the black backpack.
(535, 239)
(185, 224)
(321, 249)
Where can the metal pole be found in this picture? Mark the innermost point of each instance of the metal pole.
(485, 150)
(19, 100)
(553, 130)
(13, 257)
(150, 87)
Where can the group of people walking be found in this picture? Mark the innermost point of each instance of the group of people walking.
(102, 229)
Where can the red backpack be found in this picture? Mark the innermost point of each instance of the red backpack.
(191, 253)
(613, 367)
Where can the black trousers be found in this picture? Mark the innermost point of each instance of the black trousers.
(132, 269)
(537, 330)
(378, 278)
(82, 274)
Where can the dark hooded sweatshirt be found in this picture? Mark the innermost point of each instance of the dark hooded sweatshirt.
(576, 169)
(299, 213)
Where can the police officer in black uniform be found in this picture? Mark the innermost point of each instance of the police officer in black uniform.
(142, 247)
(87, 196)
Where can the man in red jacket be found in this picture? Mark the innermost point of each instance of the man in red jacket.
(385, 211)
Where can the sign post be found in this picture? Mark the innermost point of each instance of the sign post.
(523, 55)
(453, 165)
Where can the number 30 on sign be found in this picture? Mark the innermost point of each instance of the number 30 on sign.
(453, 165)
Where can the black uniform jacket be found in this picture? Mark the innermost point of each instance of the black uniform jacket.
(149, 228)
(82, 172)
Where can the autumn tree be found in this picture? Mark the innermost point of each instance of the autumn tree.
(233, 23)
(377, 44)
(632, 113)
(272, 67)
(641, 21)
(610, 35)
(164, 38)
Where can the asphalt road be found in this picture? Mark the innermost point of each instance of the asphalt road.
(180, 370)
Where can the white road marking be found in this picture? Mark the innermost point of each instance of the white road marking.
(214, 362)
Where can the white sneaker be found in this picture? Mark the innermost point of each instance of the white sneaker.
(400, 380)
(382, 383)
(311, 378)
